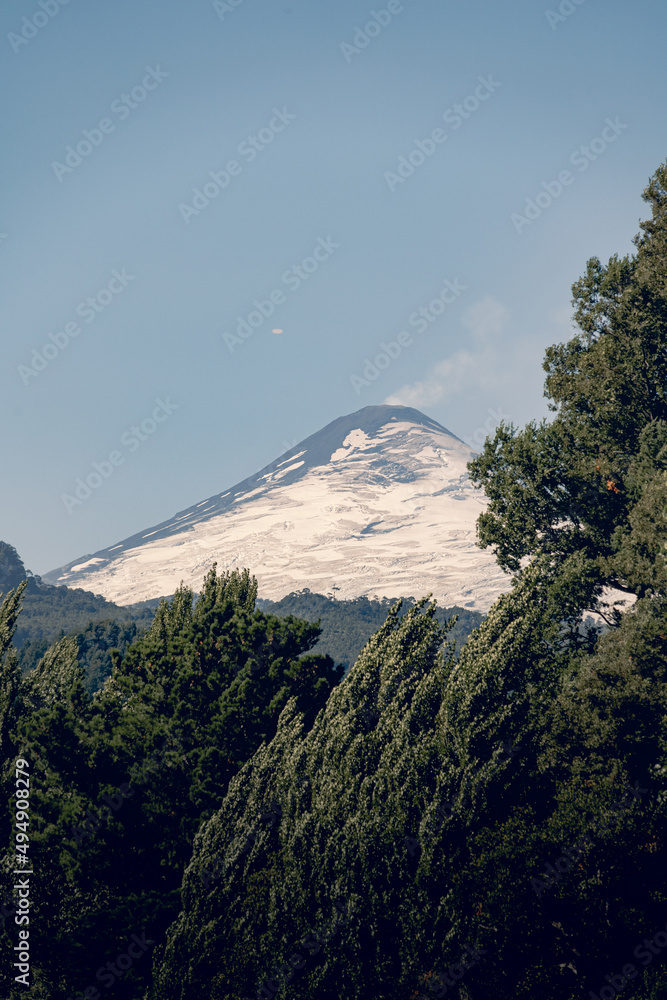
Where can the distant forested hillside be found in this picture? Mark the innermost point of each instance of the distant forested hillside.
(99, 626)
(52, 610)
(348, 625)
(49, 613)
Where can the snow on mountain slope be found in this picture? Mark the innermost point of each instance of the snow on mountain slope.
(376, 503)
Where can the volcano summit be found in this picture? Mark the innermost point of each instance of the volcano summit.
(376, 503)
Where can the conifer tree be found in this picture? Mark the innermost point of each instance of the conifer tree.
(130, 774)
(346, 795)
(10, 675)
(593, 481)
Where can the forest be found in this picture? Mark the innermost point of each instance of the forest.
(100, 626)
(230, 814)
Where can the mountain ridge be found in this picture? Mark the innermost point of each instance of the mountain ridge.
(327, 436)
(392, 471)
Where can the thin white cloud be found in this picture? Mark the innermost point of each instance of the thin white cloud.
(485, 318)
(478, 364)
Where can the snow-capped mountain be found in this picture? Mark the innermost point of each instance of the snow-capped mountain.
(376, 503)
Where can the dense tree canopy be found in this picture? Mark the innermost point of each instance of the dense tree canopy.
(430, 801)
(348, 625)
(182, 711)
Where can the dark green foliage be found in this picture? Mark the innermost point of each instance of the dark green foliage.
(12, 570)
(10, 675)
(202, 689)
(593, 481)
(491, 766)
(95, 645)
(348, 625)
(582, 731)
(50, 611)
(350, 790)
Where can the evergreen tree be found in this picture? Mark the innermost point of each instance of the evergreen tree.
(345, 793)
(592, 482)
(10, 675)
(130, 774)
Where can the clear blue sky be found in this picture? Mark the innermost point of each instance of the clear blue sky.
(331, 123)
